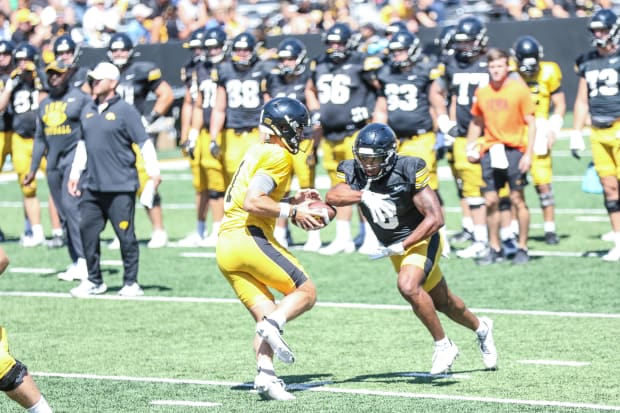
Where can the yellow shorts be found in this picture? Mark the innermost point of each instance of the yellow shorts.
(541, 170)
(207, 171)
(333, 153)
(234, 145)
(469, 173)
(424, 255)
(6, 360)
(252, 261)
(422, 146)
(606, 150)
(21, 152)
(5, 147)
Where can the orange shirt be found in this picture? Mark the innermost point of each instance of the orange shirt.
(504, 112)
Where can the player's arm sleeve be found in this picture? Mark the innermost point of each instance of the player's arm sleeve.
(416, 167)
(262, 182)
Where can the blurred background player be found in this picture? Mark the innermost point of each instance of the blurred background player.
(598, 96)
(238, 101)
(341, 95)
(545, 81)
(6, 67)
(207, 171)
(65, 51)
(138, 79)
(288, 79)
(14, 378)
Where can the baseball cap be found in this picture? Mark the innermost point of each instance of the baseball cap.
(56, 66)
(104, 70)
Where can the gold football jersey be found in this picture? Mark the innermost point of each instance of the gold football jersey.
(543, 84)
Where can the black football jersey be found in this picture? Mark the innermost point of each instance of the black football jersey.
(462, 80)
(345, 93)
(407, 98)
(23, 106)
(409, 176)
(5, 117)
(293, 87)
(137, 80)
(206, 86)
(244, 93)
(602, 75)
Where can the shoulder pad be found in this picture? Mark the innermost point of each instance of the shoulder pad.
(372, 63)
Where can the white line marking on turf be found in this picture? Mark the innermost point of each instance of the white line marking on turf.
(25, 270)
(591, 219)
(557, 363)
(341, 390)
(114, 263)
(184, 403)
(197, 254)
(442, 376)
(319, 304)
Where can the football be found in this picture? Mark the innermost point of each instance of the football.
(329, 212)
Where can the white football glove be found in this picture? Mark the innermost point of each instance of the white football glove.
(447, 126)
(394, 249)
(472, 150)
(380, 207)
(576, 143)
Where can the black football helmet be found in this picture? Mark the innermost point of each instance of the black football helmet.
(470, 39)
(342, 35)
(244, 41)
(292, 48)
(63, 44)
(404, 41)
(395, 27)
(25, 51)
(285, 117)
(445, 40)
(374, 150)
(527, 53)
(604, 19)
(6, 47)
(195, 43)
(216, 45)
(120, 41)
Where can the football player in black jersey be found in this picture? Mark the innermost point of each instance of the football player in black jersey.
(138, 79)
(341, 95)
(207, 171)
(598, 95)
(288, 79)
(65, 51)
(238, 102)
(404, 213)
(22, 93)
(6, 67)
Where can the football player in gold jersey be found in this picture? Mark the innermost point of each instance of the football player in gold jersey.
(247, 252)
(544, 79)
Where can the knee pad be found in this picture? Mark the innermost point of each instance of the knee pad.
(14, 377)
(215, 194)
(157, 199)
(475, 202)
(546, 199)
(439, 197)
(612, 205)
(505, 204)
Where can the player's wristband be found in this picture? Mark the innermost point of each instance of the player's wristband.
(285, 210)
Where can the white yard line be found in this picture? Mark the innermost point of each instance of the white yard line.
(319, 387)
(26, 270)
(184, 403)
(556, 363)
(205, 300)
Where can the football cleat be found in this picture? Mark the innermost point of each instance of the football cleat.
(462, 236)
(491, 257)
(271, 333)
(29, 241)
(609, 236)
(192, 240)
(475, 250)
(338, 246)
(487, 345)
(443, 358)
(509, 247)
(87, 289)
(269, 387)
(131, 290)
(612, 255)
(159, 239)
(551, 238)
(521, 257)
(57, 241)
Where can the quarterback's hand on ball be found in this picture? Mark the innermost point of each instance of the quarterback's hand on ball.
(381, 208)
(394, 249)
(306, 218)
(305, 196)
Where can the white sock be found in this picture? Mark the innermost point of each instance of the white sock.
(57, 232)
(264, 363)
(549, 226)
(314, 236)
(40, 407)
(343, 230)
(482, 329)
(279, 318)
(481, 234)
(514, 225)
(443, 343)
(468, 224)
(506, 233)
(200, 229)
(370, 237)
(617, 239)
(215, 227)
(37, 231)
(279, 233)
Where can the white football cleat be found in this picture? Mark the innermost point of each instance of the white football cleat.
(475, 250)
(29, 241)
(370, 245)
(337, 246)
(87, 289)
(269, 387)
(159, 239)
(131, 290)
(191, 241)
(268, 331)
(612, 255)
(74, 272)
(443, 357)
(210, 241)
(487, 345)
(608, 237)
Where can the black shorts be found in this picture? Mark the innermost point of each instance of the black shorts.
(495, 179)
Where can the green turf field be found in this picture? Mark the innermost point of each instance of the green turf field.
(186, 346)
